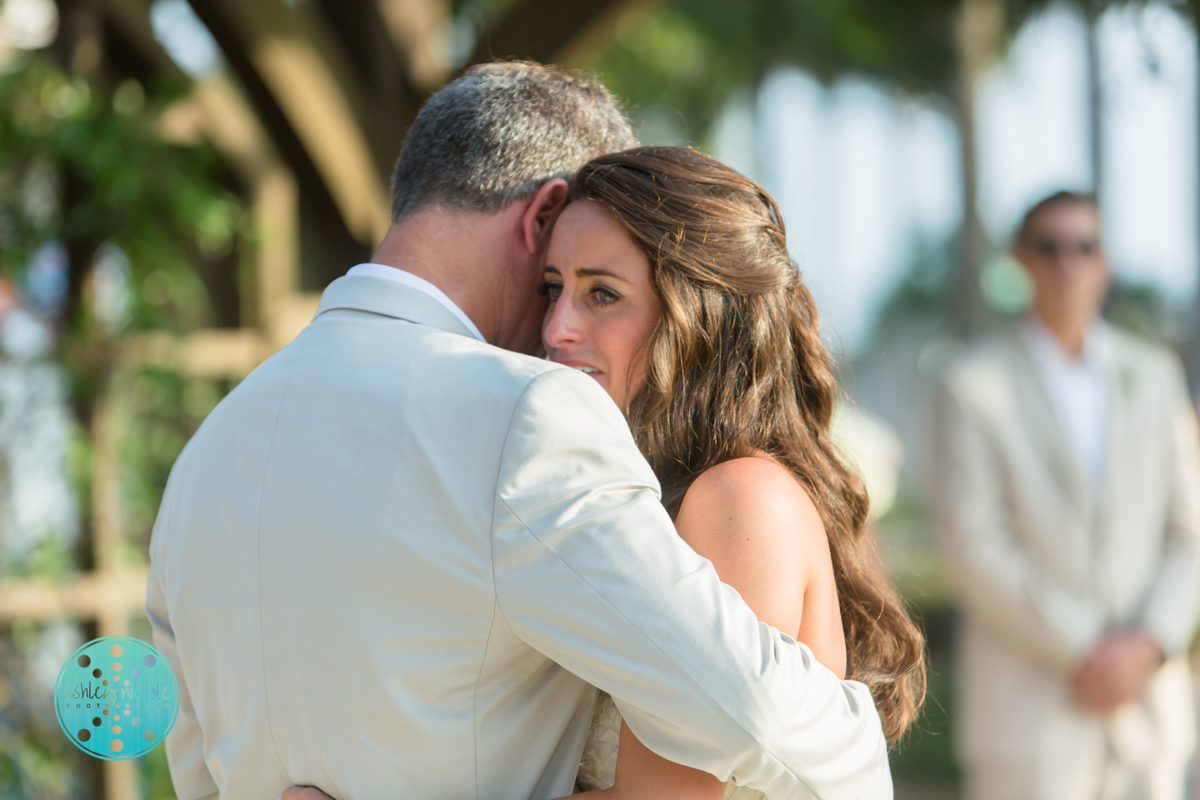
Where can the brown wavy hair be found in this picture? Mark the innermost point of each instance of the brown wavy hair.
(735, 368)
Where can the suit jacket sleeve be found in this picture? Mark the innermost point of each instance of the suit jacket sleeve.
(998, 584)
(185, 741)
(1171, 603)
(590, 572)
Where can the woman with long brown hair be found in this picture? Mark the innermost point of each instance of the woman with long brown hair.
(670, 283)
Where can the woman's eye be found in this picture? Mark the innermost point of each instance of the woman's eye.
(551, 290)
(605, 296)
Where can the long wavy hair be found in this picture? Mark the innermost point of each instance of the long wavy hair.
(735, 367)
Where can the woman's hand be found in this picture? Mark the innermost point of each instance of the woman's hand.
(304, 793)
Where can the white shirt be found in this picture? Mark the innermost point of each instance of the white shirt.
(1078, 388)
(420, 284)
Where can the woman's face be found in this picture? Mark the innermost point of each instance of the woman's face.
(603, 307)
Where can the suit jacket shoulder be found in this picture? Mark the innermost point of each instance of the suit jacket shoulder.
(981, 373)
(1134, 355)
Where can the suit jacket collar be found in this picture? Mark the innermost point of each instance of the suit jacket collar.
(1047, 429)
(1123, 423)
(389, 299)
(1050, 437)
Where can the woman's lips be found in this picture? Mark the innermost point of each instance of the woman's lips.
(586, 369)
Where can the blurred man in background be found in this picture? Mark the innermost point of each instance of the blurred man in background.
(1067, 496)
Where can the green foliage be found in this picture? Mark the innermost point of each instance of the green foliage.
(927, 751)
(95, 174)
(88, 168)
(36, 760)
(691, 55)
(74, 169)
(1018, 12)
(155, 775)
(924, 293)
(1143, 309)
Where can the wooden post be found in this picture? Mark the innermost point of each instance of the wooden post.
(120, 777)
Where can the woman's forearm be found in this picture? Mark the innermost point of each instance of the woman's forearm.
(598, 794)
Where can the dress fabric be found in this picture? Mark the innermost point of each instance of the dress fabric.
(598, 766)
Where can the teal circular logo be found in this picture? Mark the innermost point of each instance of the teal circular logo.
(116, 698)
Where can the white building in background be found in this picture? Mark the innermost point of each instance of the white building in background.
(1032, 121)
(1034, 139)
(864, 174)
(1151, 171)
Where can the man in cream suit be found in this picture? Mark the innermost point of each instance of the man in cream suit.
(1068, 501)
(396, 560)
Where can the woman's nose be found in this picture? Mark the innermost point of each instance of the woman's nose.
(561, 326)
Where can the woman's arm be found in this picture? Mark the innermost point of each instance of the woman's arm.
(642, 775)
(763, 535)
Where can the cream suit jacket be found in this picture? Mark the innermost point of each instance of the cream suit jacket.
(1044, 564)
(396, 561)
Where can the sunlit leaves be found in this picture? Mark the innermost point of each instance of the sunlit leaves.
(86, 168)
(692, 55)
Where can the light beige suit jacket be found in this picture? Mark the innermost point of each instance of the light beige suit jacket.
(1044, 564)
(395, 561)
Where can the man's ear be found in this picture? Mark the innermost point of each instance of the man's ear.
(545, 206)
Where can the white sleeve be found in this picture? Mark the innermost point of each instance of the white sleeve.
(590, 572)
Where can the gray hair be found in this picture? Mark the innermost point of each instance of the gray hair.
(500, 131)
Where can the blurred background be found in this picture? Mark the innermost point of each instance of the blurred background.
(179, 180)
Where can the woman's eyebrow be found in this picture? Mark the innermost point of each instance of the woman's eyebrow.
(584, 272)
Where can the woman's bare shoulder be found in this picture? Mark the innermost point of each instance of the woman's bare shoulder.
(759, 527)
(756, 492)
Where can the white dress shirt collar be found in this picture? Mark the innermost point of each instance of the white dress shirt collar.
(1078, 389)
(1048, 349)
(421, 285)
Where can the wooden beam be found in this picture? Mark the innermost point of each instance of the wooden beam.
(307, 99)
(420, 32)
(217, 354)
(592, 40)
(212, 354)
(88, 596)
(277, 277)
(217, 110)
(325, 123)
(382, 67)
(132, 19)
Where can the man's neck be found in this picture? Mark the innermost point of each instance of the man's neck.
(456, 251)
(1071, 335)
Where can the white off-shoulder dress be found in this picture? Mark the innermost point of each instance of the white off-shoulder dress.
(598, 766)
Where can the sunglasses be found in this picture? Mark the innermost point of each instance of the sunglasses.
(1048, 247)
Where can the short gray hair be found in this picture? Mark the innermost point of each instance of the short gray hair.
(500, 131)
